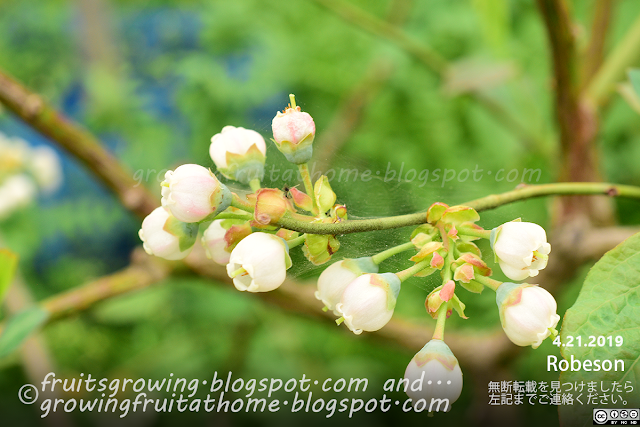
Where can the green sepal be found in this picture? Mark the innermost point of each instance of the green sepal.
(220, 199)
(472, 286)
(423, 234)
(244, 167)
(361, 265)
(470, 247)
(394, 284)
(426, 272)
(318, 248)
(457, 215)
(435, 211)
(297, 153)
(426, 252)
(458, 306)
(492, 240)
(186, 232)
(324, 195)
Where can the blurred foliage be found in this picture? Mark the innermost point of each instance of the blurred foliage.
(175, 72)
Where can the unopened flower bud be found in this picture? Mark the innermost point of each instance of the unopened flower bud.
(164, 236)
(527, 312)
(259, 263)
(521, 249)
(293, 133)
(433, 374)
(368, 302)
(271, 205)
(319, 248)
(239, 153)
(215, 244)
(192, 193)
(335, 279)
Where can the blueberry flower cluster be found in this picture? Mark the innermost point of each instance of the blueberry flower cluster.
(246, 234)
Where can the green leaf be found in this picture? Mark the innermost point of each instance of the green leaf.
(608, 305)
(19, 327)
(8, 264)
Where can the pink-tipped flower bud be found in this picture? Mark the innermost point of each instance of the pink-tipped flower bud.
(433, 375)
(368, 302)
(527, 312)
(192, 193)
(293, 133)
(164, 236)
(239, 153)
(335, 279)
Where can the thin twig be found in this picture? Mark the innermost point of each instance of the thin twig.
(484, 203)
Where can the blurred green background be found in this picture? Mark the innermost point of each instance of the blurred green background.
(155, 79)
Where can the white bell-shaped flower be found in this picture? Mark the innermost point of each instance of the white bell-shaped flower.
(192, 193)
(521, 249)
(335, 279)
(239, 153)
(259, 263)
(527, 312)
(164, 236)
(368, 302)
(433, 375)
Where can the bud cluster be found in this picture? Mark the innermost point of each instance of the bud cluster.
(246, 234)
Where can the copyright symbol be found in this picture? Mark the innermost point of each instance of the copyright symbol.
(28, 394)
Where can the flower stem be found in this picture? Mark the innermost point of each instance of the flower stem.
(254, 184)
(488, 282)
(238, 203)
(438, 333)
(297, 241)
(447, 274)
(483, 234)
(226, 215)
(378, 258)
(409, 272)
